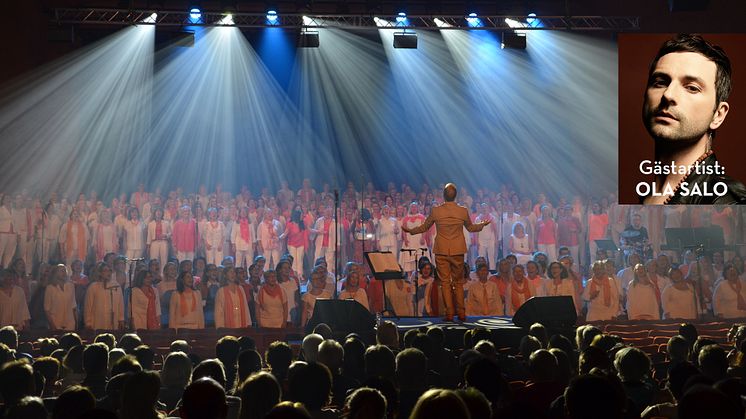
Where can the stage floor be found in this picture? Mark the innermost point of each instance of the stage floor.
(488, 322)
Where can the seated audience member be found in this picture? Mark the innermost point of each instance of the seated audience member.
(259, 393)
(226, 350)
(702, 401)
(273, 303)
(95, 365)
(411, 375)
(593, 397)
(388, 334)
(365, 403)
(204, 399)
(175, 376)
(331, 354)
(713, 362)
(278, 357)
(140, 396)
(249, 362)
(380, 362)
(73, 403)
(633, 367)
(288, 410)
(543, 387)
(145, 356)
(678, 375)
(643, 297)
(439, 403)
(476, 403)
(310, 347)
(485, 375)
(311, 384)
(28, 407)
(49, 368)
(16, 382)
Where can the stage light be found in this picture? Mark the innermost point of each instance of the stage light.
(195, 15)
(151, 19)
(227, 20)
(381, 23)
(405, 40)
(514, 23)
(307, 21)
(531, 18)
(513, 40)
(401, 17)
(272, 17)
(441, 24)
(473, 20)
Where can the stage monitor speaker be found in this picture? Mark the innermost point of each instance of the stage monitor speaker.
(552, 312)
(342, 316)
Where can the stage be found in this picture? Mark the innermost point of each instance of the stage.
(504, 332)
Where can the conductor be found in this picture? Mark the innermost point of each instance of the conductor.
(450, 246)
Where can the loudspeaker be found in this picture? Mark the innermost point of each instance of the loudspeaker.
(405, 40)
(345, 316)
(552, 312)
(513, 40)
(308, 40)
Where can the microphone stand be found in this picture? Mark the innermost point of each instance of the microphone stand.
(336, 243)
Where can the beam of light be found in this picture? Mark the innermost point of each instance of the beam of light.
(382, 23)
(307, 21)
(473, 20)
(78, 124)
(516, 25)
(441, 24)
(226, 20)
(153, 18)
(563, 87)
(195, 15)
(272, 18)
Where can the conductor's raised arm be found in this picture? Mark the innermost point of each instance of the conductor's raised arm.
(429, 221)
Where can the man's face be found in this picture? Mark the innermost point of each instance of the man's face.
(680, 98)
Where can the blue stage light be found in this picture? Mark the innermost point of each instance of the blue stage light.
(473, 20)
(401, 17)
(272, 17)
(195, 15)
(531, 19)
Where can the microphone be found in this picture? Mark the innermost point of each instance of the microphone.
(408, 250)
(424, 249)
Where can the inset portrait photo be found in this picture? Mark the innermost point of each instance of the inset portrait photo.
(682, 120)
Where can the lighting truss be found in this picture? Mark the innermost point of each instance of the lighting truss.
(94, 16)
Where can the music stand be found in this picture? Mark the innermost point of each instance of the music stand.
(384, 267)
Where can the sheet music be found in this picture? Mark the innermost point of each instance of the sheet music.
(384, 262)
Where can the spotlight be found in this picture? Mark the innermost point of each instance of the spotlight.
(227, 20)
(195, 15)
(513, 40)
(151, 19)
(401, 17)
(406, 40)
(531, 18)
(473, 20)
(441, 23)
(272, 17)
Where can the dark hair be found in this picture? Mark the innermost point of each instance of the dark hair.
(297, 217)
(73, 402)
(311, 384)
(180, 281)
(563, 270)
(259, 393)
(95, 358)
(714, 53)
(140, 278)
